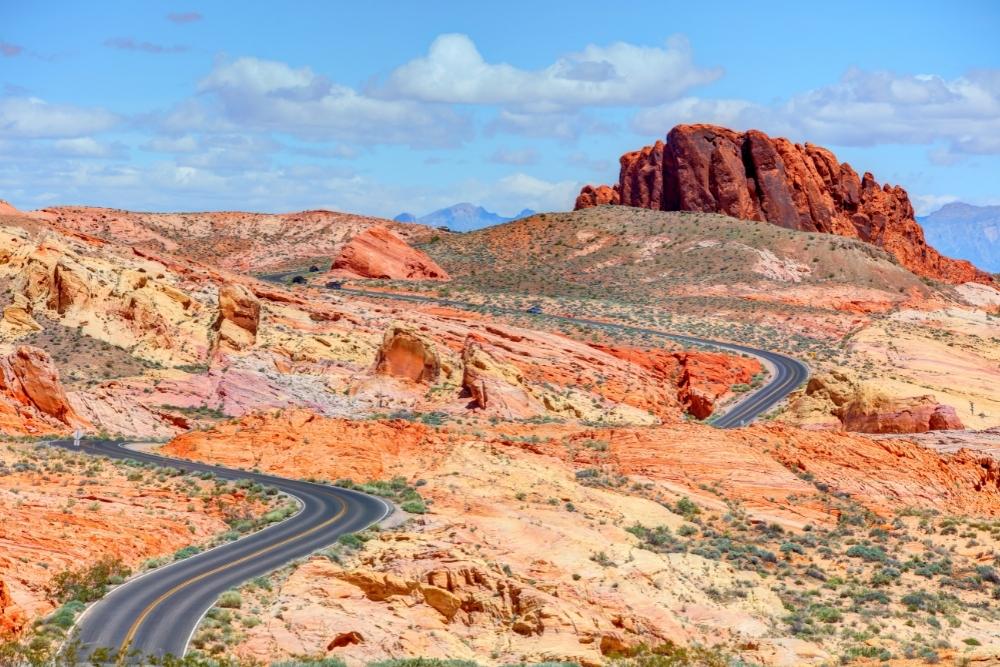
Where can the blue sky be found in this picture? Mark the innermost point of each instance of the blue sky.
(382, 107)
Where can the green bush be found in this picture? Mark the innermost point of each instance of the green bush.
(869, 553)
(351, 540)
(89, 583)
(230, 600)
(423, 662)
(686, 508)
(186, 552)
(65, 616)
(414, 507)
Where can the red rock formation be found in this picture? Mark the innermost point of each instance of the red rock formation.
(916, 415)
(379, 253)
(12, 617)
(752, 176)
(406, 354)
(29, 378)
(837, 400)
(701, 378)
(597, 196)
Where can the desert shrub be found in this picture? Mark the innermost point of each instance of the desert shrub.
(230, 600)
(670, 654)
(186, 552)
(89, 583)
(867, 552)
(686, 508)
(422, 662)
(414, 507)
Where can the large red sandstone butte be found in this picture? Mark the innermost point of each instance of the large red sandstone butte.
(752, 176)
(379, 253)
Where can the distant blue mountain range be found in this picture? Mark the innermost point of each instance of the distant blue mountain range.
(463, 217)
(966, 232)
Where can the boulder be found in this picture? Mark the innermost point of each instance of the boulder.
(597, 196)
(918, 414)
(379, 253)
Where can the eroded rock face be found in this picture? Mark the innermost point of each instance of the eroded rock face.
(752, 176)
(597, 196)
(379, 253)
(912, 415)
(700, 379)
(406, 354)
(239, 316)
(838, 400)
(17, 321)
(495, 385)
(12, 617)
(28, 377)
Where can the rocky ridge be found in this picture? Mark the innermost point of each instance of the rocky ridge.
(752, 176)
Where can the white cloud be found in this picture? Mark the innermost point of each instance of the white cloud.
(522, 156)
(30, 117)
(863, 109)
(183, 144)
(519, 191)
(659, 119)
(87, 147)
(924, 204)
(566, 127)
(621, 74)
(267, 95)
(131, 44)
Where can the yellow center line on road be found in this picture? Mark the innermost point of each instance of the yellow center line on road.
(155, 603)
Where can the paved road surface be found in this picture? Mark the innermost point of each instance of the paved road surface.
(157, 612)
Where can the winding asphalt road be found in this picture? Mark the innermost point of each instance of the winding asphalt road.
(787, 373)
(157, 612)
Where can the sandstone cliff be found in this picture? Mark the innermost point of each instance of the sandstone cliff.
(752, 176)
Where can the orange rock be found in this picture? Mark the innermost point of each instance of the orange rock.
(752, 176)
(345, 639)
(28, 377)
(12, 619)
(360, 450)
(838, 400)
(597, 196)
(379, 253)
(495, 385)
(239, 316)
(909, 415)
(406, 354)
(701, 378)
(50, 526)
(239, 306)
